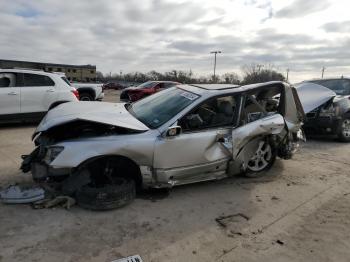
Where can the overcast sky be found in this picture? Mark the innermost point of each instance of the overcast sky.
(141, 35)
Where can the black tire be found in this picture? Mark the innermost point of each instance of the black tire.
(107, 197)
(85, 97)
(251, 173)
(344, 130)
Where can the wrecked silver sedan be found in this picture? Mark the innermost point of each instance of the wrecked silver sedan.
(185, 134)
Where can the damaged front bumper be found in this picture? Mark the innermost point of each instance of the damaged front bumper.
(37, 163)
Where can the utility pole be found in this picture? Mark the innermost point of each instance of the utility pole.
(215, 53)
(323, 68)
(287, 73)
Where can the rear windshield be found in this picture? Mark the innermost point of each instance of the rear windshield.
(66, 80)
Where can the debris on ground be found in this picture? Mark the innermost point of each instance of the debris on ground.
(222, 219)
(63, 201)
(279, 242)
(135, 258)
(16, 194)
(275, 198)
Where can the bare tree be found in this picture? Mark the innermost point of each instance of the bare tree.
(258, 73)
(230, 78)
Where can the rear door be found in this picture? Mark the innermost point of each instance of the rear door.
(37, 94)
(9, 94)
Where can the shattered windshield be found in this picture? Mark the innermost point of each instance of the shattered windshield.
(159, 108)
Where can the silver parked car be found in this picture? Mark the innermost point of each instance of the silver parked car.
(185, 134)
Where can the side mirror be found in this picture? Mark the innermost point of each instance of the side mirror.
(174, 131)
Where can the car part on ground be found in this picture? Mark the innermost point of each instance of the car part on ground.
(327, 111)
(64, 201)
(134, 93)
(29, 94)
(183, 135)
(16, 194)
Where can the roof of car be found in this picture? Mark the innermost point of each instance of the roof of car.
(198, 89)
(215, 86)
(156, 81)
(30, 71)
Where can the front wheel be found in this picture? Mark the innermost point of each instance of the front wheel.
(262, 160)
(344, 130)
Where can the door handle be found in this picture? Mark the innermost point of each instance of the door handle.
(12, 93)
(50, 90)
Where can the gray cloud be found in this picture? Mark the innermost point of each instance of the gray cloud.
(300, 8)
(337, 27)
(161, 35)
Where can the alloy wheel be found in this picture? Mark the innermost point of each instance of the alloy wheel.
(261, 158)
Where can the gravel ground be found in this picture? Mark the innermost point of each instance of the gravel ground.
(299, 211)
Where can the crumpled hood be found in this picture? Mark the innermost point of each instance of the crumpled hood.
(312, 95)
(101, 112)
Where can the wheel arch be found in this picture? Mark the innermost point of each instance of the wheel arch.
(88, 90)
(54, 104)
(135, 173)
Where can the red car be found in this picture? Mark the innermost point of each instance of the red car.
(134, 93)
(114, 86)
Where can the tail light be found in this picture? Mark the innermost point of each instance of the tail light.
(76, 93)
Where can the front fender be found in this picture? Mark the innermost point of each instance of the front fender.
(77, 152)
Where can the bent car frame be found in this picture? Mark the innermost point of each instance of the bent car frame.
(185, 134)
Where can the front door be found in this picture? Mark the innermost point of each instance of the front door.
(9, 94)
(197, 153)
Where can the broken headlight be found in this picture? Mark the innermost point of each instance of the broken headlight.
(52, 152)
(329, 112)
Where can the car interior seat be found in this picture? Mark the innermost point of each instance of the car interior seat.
(224, 114)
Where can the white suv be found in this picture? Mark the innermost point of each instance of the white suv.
(29, 94)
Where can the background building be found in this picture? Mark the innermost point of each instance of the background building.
(79, 73)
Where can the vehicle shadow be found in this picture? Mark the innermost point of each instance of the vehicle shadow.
(18, 124)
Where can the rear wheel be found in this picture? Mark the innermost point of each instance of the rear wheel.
(344, 130)
(85, 97)
(262, 160)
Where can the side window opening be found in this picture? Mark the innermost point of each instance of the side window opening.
(215, 112)
(37, 80)
(261, 103)
(66, 80)
(7, 80)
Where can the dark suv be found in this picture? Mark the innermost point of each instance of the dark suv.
(333, 116)
(134, 93)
